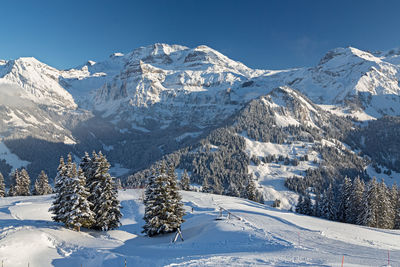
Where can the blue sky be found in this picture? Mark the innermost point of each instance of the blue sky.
(261, 34)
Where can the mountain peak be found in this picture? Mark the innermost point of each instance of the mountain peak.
(342, 55)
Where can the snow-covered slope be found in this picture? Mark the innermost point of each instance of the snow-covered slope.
(263, 237)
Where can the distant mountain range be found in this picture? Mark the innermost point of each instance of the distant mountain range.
(160, 99)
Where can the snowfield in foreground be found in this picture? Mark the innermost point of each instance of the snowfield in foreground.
(263, 236)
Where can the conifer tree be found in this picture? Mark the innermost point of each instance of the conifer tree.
(317, 206)
(356, 199)
(78, 211)
(104, 196)
(307, 205)
(300, 204)
(20, 183)
(328, 209)
(24, 186)
(233, 190)
(2, 186)
(42, 186)
(217, 188)
(205, 187)
(369, 215)
(344, 200)
(58, 206)
(87, 167)
(185, 181)
(119, 184)
(394, 195)
(304, 205)
(12, 191)
(385, 212)
(251, 190)
(396, 200)
(92, 182)
(163, 206)
(175, 204)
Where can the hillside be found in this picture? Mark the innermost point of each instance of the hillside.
(263, 236)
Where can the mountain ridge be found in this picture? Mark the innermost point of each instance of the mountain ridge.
(158, 99)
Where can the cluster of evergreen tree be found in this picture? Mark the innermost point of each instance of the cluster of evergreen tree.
(86, 196)
(42, 186)
(163, 207)
(21, 184)
(372, 204)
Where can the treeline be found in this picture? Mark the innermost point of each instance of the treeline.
(86, 196)
(21, 184)
(370, 204)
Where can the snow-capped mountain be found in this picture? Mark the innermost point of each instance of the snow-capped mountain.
(34, 102)
(39, 83)
(356, 80)
(159, 98)
(168, 83)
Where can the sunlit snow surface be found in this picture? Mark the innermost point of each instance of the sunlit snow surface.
(264, 236)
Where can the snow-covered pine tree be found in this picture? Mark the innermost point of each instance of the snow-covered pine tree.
(233, 190)
(394, 195)
(17, 187)
(152, 202)
(58, 205)
(205, 187)
(356, 199)
(87, 167)
(118, 184)
(92, 183)
(163, 207)
(369, 215)
(385, 209)
(24, 188)
(2, 186)
(176, 205)
(344, 199)
(217, 187)
(304, 205)
(300, 204)
(396, 201)
(307, 205)
(104, 195)
(329, 207)
(12, 191)
(79, 213)
(184, 183)
(317, 206)
(42, 186)
(251, 190)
